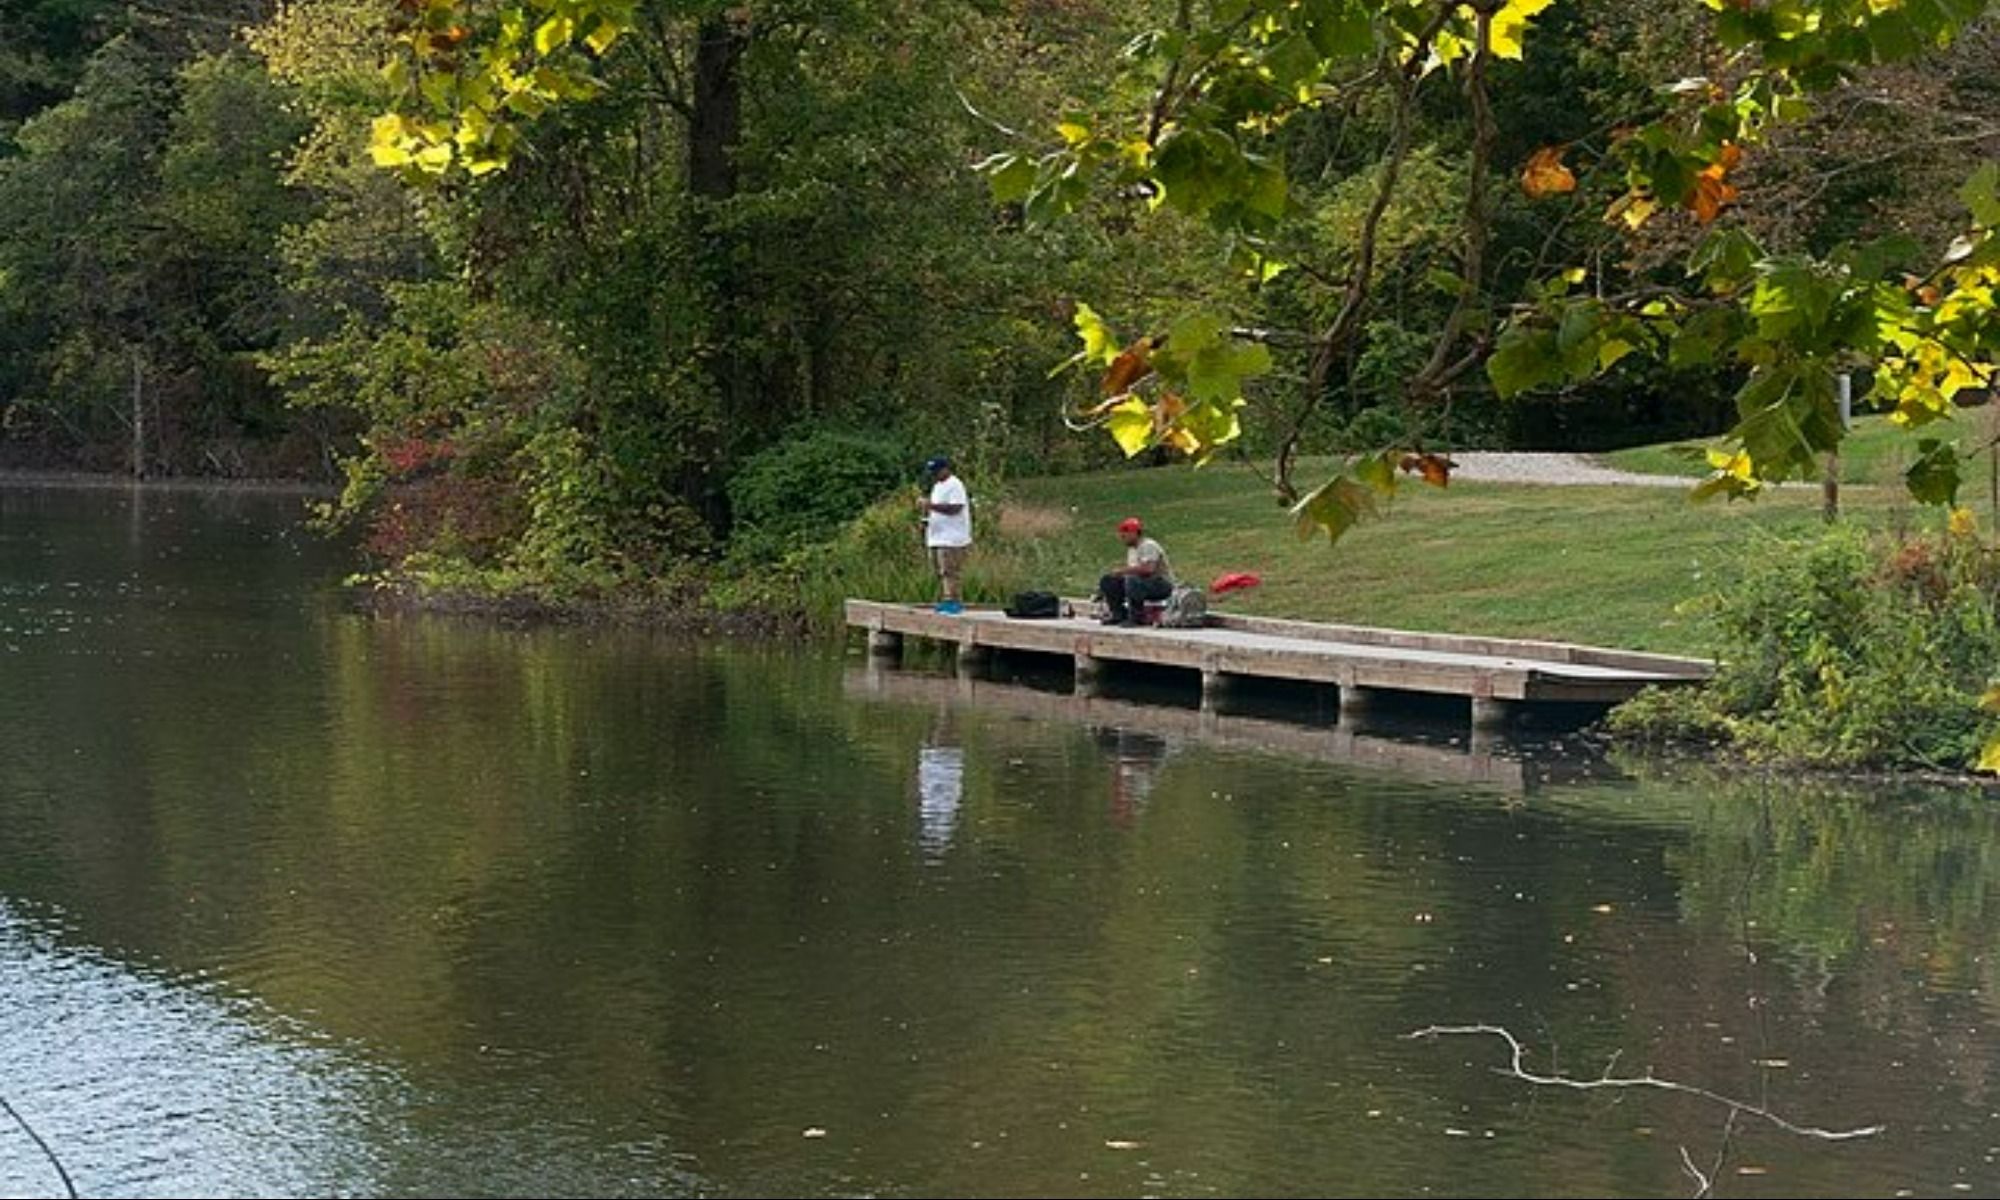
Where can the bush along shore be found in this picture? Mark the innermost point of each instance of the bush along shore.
(1851, 650)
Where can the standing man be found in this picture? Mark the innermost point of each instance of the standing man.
(1145, 576)
(947, 529)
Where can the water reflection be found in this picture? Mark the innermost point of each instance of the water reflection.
(1136, 758)
(940, 785)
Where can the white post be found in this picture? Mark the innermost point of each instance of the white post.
(138, 417)
(1830, 481)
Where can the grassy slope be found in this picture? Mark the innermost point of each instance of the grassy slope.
(1874, 452)
(1600, 565)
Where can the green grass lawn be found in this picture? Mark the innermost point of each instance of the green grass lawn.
(1598, 565)
(1874, 452)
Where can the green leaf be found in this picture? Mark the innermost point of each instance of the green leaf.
(1981, 194)
(1933, 478)
(1198, 169)
(1268, 190)
(1011, 176)
(1335, 507)
(1700, 341)
(1217, 372)
(1451, 283)
(1214, 424)
(1339, 28)
(1725, 259)
(1292, 61)
(1377, 472)
(1525, 358)
(1192, 334)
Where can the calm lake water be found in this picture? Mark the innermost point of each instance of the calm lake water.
(294, 901)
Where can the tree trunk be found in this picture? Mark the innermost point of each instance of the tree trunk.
(717, 124)
(715, 127)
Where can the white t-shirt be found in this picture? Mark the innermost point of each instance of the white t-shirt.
(949, 529)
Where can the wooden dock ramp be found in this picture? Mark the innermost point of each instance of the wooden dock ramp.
(1498, 675)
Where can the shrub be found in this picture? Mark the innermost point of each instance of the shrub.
(1845, 650)
(802, 491)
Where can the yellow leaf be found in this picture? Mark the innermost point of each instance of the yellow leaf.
(601, 37)
(1130, 424)
(1989, 758)
(1991, 700)
(1633, 208)
(553, 34)
(1073, 133)
(435, 158)
(1510, 23)
(1962, 522)
(388, 154)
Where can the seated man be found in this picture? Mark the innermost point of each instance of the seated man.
(1145, 576)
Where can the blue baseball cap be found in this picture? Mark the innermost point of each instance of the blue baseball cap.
(935, 463)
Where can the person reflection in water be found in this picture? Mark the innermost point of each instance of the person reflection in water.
(940, 787)
(1136, 759)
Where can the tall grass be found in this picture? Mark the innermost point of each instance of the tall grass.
(880, 555)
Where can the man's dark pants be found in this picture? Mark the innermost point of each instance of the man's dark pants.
(1123, 594)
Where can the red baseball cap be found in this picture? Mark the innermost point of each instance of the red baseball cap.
(1129, 525)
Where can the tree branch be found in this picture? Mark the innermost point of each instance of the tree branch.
(1438, 371)
(1515, 1070)
(1340, 331)
(1158, 119)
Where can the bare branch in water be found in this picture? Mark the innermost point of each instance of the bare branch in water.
(1516, 1070)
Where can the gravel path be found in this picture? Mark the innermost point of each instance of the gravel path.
(1574, 470)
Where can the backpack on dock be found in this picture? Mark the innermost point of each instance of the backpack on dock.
(1186, 608)
(1035, 606)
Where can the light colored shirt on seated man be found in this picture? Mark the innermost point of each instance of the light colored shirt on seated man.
(949, 529)
(1146, 550)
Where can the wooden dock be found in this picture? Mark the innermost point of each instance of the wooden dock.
(1500, 676)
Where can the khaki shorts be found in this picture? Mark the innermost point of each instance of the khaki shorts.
(949, 560)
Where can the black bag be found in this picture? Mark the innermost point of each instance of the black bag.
(1035, 606)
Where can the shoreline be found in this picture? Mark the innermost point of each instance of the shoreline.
(525, 610)
(31, 477)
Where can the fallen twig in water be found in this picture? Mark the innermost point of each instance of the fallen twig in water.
(55, 1162)
(1648, 1080)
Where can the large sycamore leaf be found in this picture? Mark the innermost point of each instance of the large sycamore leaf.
(1934, 478)
(1334, 507)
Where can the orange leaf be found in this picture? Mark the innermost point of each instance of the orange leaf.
(1435, 468)
(1711, 188)
(1129, 368)
(1545, 174)
(1710, 193)
(1167, 411)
